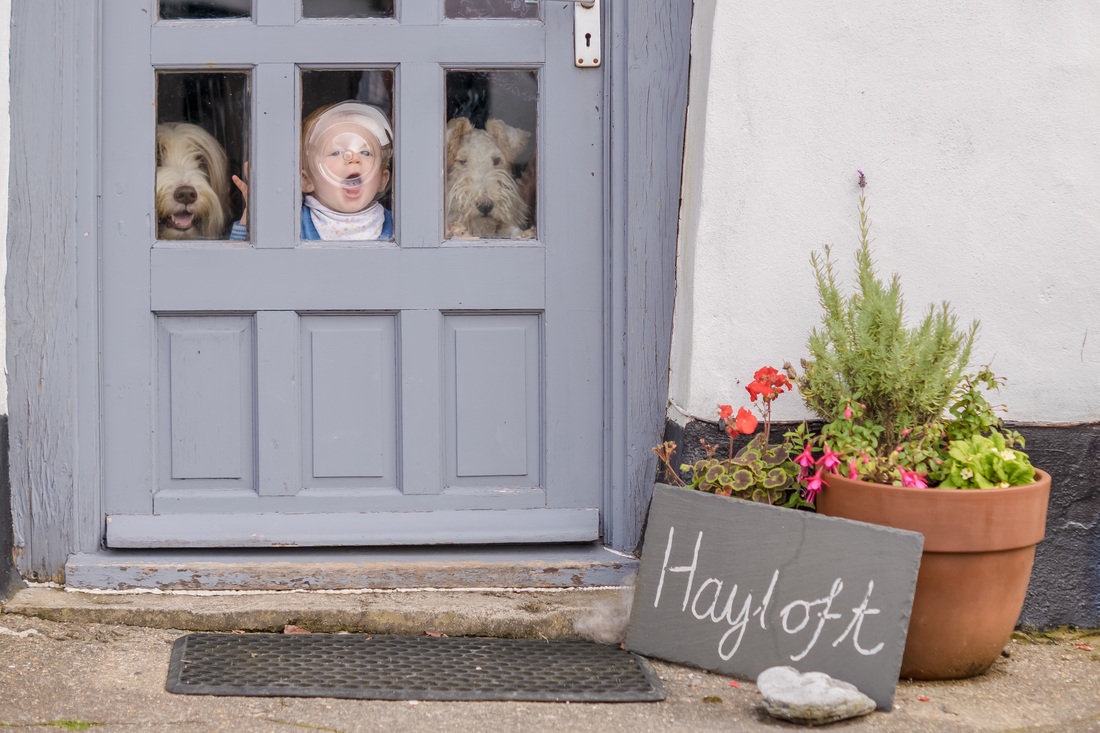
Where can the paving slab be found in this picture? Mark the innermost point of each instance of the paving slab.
(85, 672)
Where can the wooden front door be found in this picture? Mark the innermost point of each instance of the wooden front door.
(442, 381)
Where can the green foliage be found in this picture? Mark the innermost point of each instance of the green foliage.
(758, 472)
(971, 414)
(863, 353)
(980, 462)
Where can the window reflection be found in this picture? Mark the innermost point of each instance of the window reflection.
(204, 9)
(490, 159)
(490, 9)
(347, 148)
(201, 139)
(347, 8)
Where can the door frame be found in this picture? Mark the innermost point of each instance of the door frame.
(53, 278)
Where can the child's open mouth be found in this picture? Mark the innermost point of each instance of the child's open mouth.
(353, 182)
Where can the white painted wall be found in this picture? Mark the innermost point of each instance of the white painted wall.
(978, 125)
(5, 143)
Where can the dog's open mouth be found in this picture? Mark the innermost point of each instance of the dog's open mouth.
(182, 220)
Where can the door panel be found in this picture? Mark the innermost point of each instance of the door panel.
(442, 386)
(349, 380)
(206, 400)
(493, 399)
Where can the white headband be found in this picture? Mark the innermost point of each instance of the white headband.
(364, 115)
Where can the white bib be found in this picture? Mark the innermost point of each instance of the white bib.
(335, 226)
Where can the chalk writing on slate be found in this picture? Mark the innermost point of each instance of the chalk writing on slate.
(737, 587)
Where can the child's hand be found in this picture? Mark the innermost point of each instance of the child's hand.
(242, 185)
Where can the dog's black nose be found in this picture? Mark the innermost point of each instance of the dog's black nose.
(485, 207)
(186, 195)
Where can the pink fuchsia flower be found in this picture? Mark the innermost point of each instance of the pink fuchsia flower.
(847, 412)
(852, 472)
(829, 460)
(813, 487)
(805, 458)
(912, 479)
(805, 461)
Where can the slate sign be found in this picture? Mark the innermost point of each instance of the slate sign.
(737, 587)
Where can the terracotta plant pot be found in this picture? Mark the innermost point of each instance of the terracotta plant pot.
(979, 546)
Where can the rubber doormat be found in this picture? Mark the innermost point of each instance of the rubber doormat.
(408, 668)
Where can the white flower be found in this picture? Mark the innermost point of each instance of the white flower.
(967, 474)
(1008, 455)
(1003, 485)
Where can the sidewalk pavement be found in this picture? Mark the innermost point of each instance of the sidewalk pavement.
(75, 661)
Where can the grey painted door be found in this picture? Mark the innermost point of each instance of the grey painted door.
(441, 385)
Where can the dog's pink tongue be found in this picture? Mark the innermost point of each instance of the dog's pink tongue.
(182, 221)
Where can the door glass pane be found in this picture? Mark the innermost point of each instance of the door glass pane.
(202, 141)
(491, 9)
(204, 9)
(347, 8)
(490, 156)
(347, 150)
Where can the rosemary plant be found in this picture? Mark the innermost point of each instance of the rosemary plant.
(903, 377)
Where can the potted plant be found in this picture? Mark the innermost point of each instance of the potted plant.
(910, 441)
(760, 471)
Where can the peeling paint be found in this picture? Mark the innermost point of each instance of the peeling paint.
(386, 570)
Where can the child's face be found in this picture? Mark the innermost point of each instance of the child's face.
(343, 169)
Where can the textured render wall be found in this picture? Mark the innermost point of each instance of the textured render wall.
(978, 126)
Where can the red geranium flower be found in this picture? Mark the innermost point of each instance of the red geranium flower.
(746, 421)
(757, 389)
(767, 383)
(766, 374)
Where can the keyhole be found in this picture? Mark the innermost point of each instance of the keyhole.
(588, 39)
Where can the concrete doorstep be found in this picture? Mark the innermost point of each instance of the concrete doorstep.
(599, 614)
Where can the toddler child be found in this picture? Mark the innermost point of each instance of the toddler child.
(346, 153)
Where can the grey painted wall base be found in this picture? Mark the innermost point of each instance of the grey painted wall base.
(505, 566)
(1065, 582)
(9, 578)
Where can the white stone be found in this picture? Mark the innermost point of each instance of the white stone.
(812, 697)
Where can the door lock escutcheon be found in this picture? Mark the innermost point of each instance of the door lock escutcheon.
(586, 31)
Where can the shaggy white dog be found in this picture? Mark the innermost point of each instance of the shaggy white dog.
(482, 197)
(192, 189)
